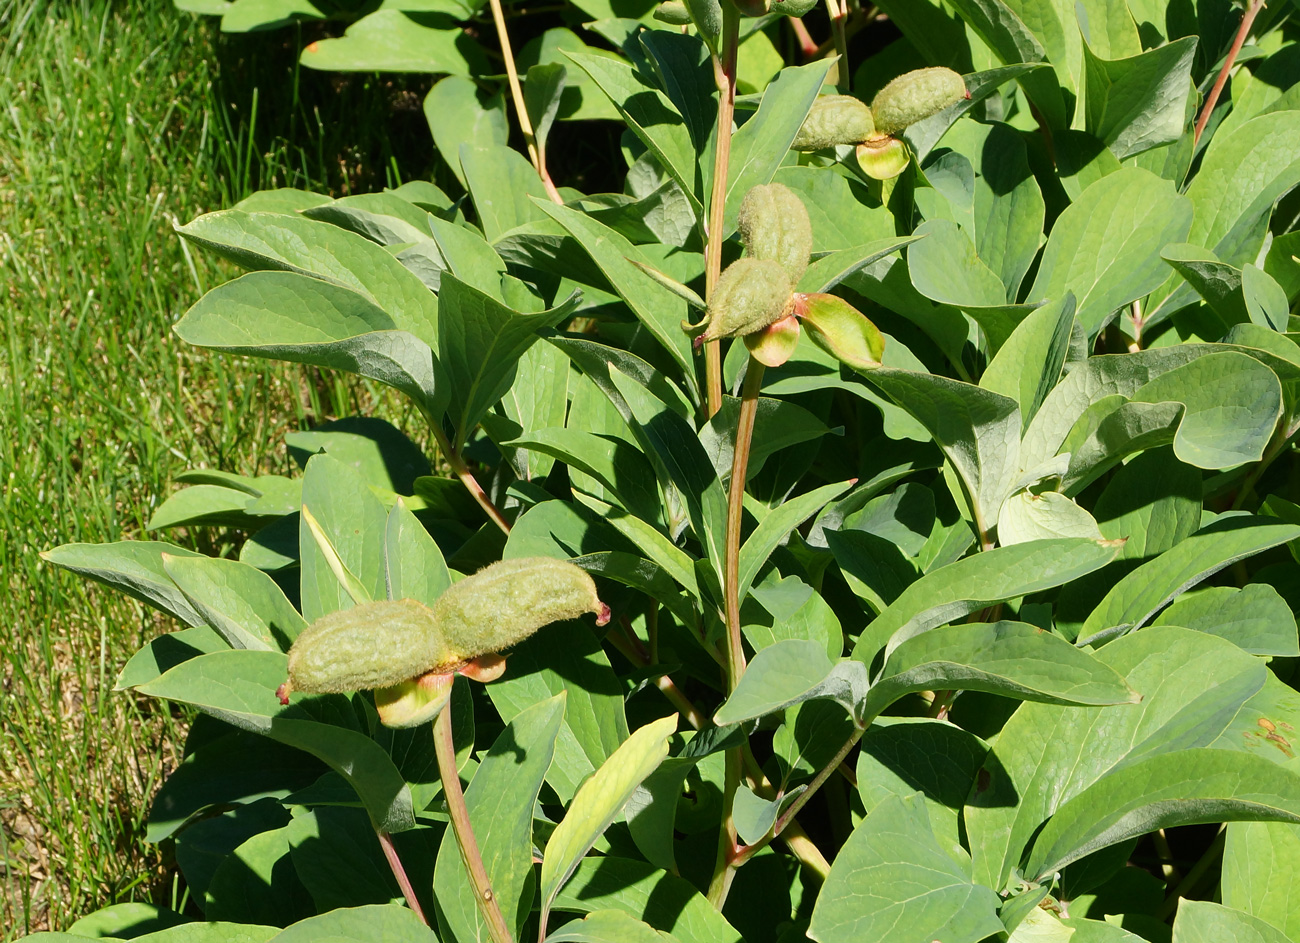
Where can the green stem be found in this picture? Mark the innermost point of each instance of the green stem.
(461, 471)
(399, 872)
(724, 868)
(535, 153)
(464, 830)
(1275, 448)
(1188, 884)
(839, 14)
(724, 73)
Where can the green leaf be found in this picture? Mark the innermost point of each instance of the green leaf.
(925, 134)
(656, 547)
(343, 555)
(239, 688)
(1142, 593)
(1029, 363)
(1271, 850)
(282, 242)
(228, 504)
(1152, 502)
(481, 341)
(1201, 921)
(538, 401)
(789, 672)
(978, 431)
(390, 40)
(1254, 617)
(247, 15)
(1011, 659)
(1192, 686)
(891, 880)
(945, 268)
(413, 564)
(599, 800)
(1266, 302)
(958, 589)
(828, 271)
(664, 901)
(608, 926)
(1138, 103)
(133, 567)
(566, 658)
(1217, 282)
(166, 652)
(286, 316)
(1105, 248)
(1188, 787)
(459, 113)
(760, 144)
(384, 218)
(135, 918)
(500, 799)
(378, 450)
(374, 923)
(256, 882)
(240, 602)
(776, 527)
(1043, 516)
(543, 89)
(655, 306)
(501, 182)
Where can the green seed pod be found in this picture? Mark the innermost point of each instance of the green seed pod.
(834, 119)
(672, 11)
(793, 7)
(774, 225)
(750, 295)
(916, 95)
(508, 601)
(371, 645)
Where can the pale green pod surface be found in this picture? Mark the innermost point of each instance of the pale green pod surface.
(508, 601)
(835, 119)
(916, 95)
(750, 295)
(774, 225)
(371, 645)
(672, 11)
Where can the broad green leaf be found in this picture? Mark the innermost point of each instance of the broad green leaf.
(925, 134)
(652, 117)
(481, 341)
(655, 306)
(1043, 516)
(1266, 302)
(620, 467)
(1184, 788)
(500, 800)
(566, 658)
(378, 450)
(281, 200)
(227, 504)
(240, 602)
(945, 268)
(213, 932)
(843, 213)
(203, 845)
(343, 554)
(134, 918)
(776, 527)
(796, 611)
(950, 592)
(828, 271)
(1105, 248)
(978, 431)
(245, 15)
(1260, 864)
(1152, 502)
(683, 69)
(1254, 617)
(1007, 658)
(380, 217)
(166, 652)
(599, 800)
(789, 672)
(543, 89)
(392, 40)
(1099, 931)
(876, 570)
(1192, 686)
(760, 144)
(608, 926)
(1142, 593)
(537, 400)
(501, 182)
(256, 882)
(239, 688)
(1029, 363)
(283, 242)
(657, 548)
(1217, 282)
(374, 923)
(459, 113)
(778, 424)
(1202, 921)
(1138, 103)
(133, 567)
(891, 880)
(413, 564)
(287, 316)
(664, 901)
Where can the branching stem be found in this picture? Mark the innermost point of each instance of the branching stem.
(461, 471)
(535, 153)
(464, 831)
(1247, 19)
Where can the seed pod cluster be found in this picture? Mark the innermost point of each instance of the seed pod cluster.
(916, 95)
(382, 644)
(835, 119)
(774, 225)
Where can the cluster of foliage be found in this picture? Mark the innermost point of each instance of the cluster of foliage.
(930, 631)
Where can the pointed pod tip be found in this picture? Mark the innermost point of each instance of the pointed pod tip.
(283, 691)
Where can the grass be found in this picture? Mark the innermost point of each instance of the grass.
(117, 119)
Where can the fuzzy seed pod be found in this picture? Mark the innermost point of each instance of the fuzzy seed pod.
(750, 295)
(774, 225)
(372, 645)
(510, 600)
(834, 119)
(916, 95)
(672, 11)
(383, 644)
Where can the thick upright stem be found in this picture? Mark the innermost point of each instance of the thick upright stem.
(399, 872)
(1213, 98)
(839, 14)
(461, 471)
(535, 153)
(464, 831)
(735, 516)
(724, 73)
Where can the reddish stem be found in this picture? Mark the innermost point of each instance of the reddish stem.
(1237, 42)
